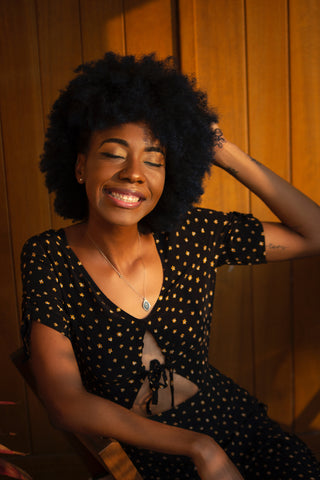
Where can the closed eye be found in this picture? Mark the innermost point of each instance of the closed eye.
(153, 164)
(111, 155)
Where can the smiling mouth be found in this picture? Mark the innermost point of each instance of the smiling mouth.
(125, 199)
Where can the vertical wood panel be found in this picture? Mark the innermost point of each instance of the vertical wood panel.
(59, 46)
(149, 27)
(22, 128)
(305, 95)
(22, 122)
(12, 418)
(60, 52)
(220, 69)
(102, 27)
(217, 57)
(41, 41)
(267, 45)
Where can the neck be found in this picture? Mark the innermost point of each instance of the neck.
(119, 243)
(135, 257)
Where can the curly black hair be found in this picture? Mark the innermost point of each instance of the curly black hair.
(122, 89)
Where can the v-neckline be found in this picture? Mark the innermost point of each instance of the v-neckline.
(103, 296)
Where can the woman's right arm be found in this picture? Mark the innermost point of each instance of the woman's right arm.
(72, 408)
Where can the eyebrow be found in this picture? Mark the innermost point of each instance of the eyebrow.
(154, 149)
(115, 140)
(126, 144)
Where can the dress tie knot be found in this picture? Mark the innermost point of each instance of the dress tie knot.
(157, 377)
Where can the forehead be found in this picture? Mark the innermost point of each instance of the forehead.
(130, 132)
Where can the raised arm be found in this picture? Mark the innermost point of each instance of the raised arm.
(298, 232)
(72, 408)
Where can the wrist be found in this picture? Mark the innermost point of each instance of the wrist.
(224, 157)
(218, 138)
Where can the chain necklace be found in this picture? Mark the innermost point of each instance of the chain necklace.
(145, 303)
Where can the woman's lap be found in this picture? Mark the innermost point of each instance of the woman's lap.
(256, 444)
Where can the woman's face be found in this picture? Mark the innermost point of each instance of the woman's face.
(124, 174)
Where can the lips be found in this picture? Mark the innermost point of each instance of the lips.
(124, 198)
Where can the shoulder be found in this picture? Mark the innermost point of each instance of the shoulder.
(213, 224)
(199, 215)
(48, 237)
(43, 244)
(200, 224)
(204, 220)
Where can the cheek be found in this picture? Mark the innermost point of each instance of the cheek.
(159, 187)
(93, 187)
(162, 179)
(98, 175)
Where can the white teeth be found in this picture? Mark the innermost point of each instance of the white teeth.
(124, 197)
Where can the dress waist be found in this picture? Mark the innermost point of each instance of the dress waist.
(162, 389)
(158, 379)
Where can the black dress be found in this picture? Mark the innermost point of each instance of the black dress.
(108, 342)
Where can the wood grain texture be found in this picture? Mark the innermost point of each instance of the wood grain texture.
(59, 53)
(102, 28)
(26, 206)
(22, 122)
(231, 347)
(220, 69)
(259, 62)
(305, 94)
(217, 57)
(149, 27)
(268, 101)
(13, 418)
(305, 118)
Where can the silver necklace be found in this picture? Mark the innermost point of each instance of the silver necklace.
(146, 305)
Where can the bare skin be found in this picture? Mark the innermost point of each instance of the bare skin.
(115, 230)
(298, 232)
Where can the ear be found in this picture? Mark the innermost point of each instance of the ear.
(80, 168)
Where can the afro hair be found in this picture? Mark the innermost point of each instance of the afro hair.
(121, 89)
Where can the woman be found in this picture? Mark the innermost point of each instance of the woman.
(130, 286)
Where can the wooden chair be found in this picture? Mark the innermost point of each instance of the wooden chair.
(103, 457)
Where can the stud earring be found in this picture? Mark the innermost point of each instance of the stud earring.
(81, 180)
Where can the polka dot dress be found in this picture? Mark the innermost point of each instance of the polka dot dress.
(108, 342)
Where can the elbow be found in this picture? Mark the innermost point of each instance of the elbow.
(59, 418)
(62, 415)
(313, 248)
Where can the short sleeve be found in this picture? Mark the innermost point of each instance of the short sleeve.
(42, 299)
(240, 240)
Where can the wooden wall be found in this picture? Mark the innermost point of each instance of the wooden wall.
(259, 61)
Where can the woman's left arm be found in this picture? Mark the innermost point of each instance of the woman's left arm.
(298, 233)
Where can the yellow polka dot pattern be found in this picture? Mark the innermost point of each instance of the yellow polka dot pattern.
(108, 342)
(254, 443)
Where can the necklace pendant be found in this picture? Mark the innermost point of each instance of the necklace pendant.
(146, 305)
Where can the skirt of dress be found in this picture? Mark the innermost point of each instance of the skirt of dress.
(239, 423)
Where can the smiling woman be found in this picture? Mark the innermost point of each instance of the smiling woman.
(119, 90)
(117, 307)
(124, 171)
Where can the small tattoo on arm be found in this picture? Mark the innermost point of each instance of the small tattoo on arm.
(218, 138)
(232, 171)
(276, 247)
(255, 161)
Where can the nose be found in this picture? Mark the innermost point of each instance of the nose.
(132, 171)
